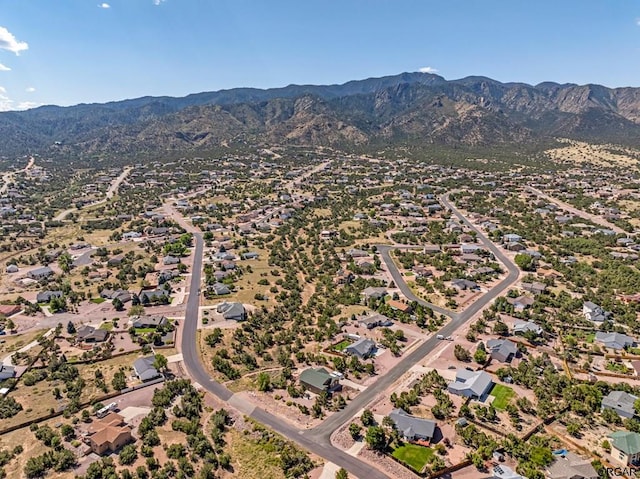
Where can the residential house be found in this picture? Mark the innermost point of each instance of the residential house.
(121, 294)
(412, 428)
(521, 302)
(511, 238)
(400, 306)
(515, 246)
(150, 295)
(144, 368)
(250, 255)
(535, 287)
(219, 289)
(502, 350)
(594, 313)
(357, 253)
(40, 273)
(471, 384)
(319, 380)
(169, 260)
(362, 348)
(568, 465)
(147, 322)
(431, 249)
(343, 277)
(46, 296)
(625, 447)
(620, 402)
(115, 260)
(232, 311)
(108, 434)
(505, 472)
(615, 341)
(6, 372)
(374, 292)
(422, 272)
(12, 268)
(89, 334)
(464, 284)
(373, 321)
(470, 258)
(129, 235)
(522, 327)
(469, 248)
(10, 309)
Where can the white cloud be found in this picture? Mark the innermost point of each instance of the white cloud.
(6, 103)
(4, 68)
(9, 42)
(27, 105)
(30, 89)
(428, 70)
(104, 5)
(158, 2)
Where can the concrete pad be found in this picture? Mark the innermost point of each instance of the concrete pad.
(130, 412)
(175, 358)
(355, 449)
(329, 471)
(352, 385)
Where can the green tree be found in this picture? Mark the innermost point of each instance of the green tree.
(354, 430)
(117, 304)
(480, 356)
(264, 382)
(367, 418)
(160, 362)
(525, 262)
(119, 381)
(376, 438)
(128, 455)
(342, 474)
(461, 353)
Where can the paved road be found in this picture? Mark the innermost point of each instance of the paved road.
(400, 282)
(572, 209)
(10, 176)
(113, 189)
(318, 440)
(323, 432)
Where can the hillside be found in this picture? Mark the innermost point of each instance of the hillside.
(410, 107)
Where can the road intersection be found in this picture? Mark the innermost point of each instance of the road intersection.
(318, 439)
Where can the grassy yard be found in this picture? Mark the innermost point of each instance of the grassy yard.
(98, 300)
(502, 395)
(414, 456)
(342, 345)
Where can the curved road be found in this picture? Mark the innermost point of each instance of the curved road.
(317, 440)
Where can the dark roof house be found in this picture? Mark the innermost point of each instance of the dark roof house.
(502, 350)
(144, 368)
(411, 427)
(318, 380)
(362, 348)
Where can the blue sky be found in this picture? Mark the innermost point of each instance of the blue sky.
(71, 51)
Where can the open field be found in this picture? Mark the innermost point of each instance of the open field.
(601, 155)
(251, 460)
(11, 343)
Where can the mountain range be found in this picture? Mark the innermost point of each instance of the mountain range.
(410, 108)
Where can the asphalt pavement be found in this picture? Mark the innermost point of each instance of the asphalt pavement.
(317, 440)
